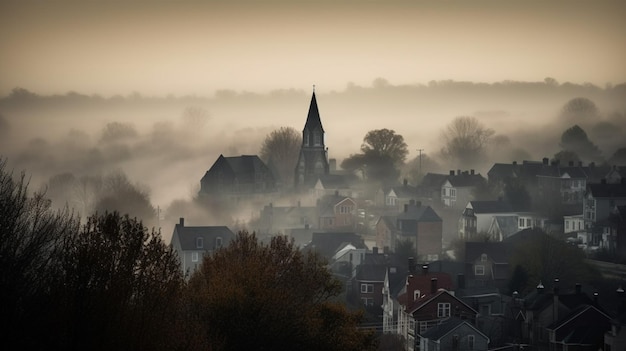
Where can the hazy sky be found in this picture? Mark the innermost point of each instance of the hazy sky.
(197, 47)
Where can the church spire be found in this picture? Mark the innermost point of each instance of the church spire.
(313, 120)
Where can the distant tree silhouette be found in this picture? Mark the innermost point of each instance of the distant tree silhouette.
(579, 110)
(382, 155)
(465, 140)
(564, 157)
(575, 140)
(280, 151)
(619, 157)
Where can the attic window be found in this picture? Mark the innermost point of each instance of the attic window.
(218, 242)
(199, 243)
(483, 257)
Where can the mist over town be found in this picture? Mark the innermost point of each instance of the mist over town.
(404, 177)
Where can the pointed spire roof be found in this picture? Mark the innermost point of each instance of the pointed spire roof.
(313, 120)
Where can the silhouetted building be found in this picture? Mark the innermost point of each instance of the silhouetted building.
(313, 159)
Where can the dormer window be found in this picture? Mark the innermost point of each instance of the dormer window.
(218, 242)
(483, 257)
(199, 243)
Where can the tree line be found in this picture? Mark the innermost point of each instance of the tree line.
(109, 282)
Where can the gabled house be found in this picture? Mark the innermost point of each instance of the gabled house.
(502, 227)
(346, 260)
(599, 203)
(331, 183)
(336, 212)
(478, 216)
(458, 189)
(386, 232)
(583, 328)
(487, 264)
(432, 311)
(418, 287)
(193, 243)
(453, 334)
(236, 179)
(423, 227)
(542, 308)
(368, 285)
(394, 198)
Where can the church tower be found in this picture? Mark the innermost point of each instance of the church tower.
(313, 160)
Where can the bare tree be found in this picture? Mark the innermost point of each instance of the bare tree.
(280, 151)
(465, 141)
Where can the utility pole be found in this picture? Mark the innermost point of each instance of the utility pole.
(420, 151)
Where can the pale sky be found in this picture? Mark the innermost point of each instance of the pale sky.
(198, 47)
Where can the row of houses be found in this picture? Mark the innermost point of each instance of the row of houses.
(433, 303)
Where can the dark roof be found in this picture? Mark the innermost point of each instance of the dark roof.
(420, 214)
(313, 120)
(491, 206)
(440, 330)
(326, 204)
(607, 190)
(371, 272)
(245, 169)
(496, 251)
(465, 180)
(403, 191)
(584, 324)
(507, 224)
(187, 236)
(327, 243)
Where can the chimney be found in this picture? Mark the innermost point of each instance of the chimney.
(471, 171)
(451, 172)
(460, 281)
(182, 222)
(514, 163)
(555, 302)
(425, 269)
(433, 285)
(375, 250)
(545, 161)
(411, 265)
(405, 182)
(458, 172)
(578, 288)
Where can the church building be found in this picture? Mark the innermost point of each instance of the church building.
(313, 159)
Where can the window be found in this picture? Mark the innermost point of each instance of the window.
(194, 257)
(218, 242)
(470, 342)
(528, 224)
(485, 310)
(521, 222)
(344, 209)
(316, 138)
(483, 257)
(443, 309)
(199, 243)
(443, 192)
(367, 301)
(566, 224)
(367, 288)
(453, 192)
(479, 269)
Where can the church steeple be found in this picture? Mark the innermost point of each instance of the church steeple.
(313, 160)
(313, 120)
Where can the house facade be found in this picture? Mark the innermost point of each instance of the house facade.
(424, 228)
(453, 334)
(458, 189)
(192, 243)
(337, 212)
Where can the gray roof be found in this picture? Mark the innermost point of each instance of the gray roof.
(440, 330)
(420, 214)
(496, 251)
(327, 243)
(507, 224)
(465, 180)
(371, 272)
(187, 236)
